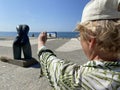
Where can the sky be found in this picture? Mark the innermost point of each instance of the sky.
(41, 15)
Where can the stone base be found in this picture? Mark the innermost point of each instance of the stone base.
(22, 62)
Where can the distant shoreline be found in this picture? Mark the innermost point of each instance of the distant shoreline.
(12, 38)
(6, 38)
(35, 34)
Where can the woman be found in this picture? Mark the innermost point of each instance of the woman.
(100, 40)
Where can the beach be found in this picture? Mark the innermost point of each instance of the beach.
(13, 77)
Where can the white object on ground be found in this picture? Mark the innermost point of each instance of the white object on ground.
(72, 45)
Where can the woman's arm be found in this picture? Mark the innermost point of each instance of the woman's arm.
(61, 73)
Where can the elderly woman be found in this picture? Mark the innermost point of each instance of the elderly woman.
(100, 40)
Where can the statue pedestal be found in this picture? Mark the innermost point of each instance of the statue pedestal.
(21, 62)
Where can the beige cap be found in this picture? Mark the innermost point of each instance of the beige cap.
(101, 9)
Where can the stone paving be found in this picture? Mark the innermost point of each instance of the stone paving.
(13, 77)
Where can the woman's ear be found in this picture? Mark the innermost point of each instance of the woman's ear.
(92, 42)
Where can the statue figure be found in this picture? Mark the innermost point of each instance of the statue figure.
(22, 43)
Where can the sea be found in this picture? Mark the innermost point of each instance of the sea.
(35, 34)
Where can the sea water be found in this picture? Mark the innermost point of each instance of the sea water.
(59, 34)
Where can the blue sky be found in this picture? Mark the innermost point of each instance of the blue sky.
(41, 15)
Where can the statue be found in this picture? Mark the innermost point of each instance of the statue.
(22, 43)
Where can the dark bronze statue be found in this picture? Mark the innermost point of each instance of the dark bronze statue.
(22, 43)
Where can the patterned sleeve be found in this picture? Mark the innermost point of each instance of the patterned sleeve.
(62, 74)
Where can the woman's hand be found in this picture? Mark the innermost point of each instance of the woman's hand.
(42, 38)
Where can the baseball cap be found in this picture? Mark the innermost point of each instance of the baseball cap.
(101, 9)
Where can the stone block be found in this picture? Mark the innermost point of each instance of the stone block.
(22, 62)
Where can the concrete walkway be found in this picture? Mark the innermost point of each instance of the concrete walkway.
(13, 77)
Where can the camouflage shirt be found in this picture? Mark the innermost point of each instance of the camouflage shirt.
(94, 75)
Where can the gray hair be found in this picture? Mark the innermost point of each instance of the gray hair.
(106, 33)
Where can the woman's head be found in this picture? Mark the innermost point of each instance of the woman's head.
(100, 23)
(106, 34)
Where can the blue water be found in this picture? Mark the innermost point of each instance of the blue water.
(59, 34)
